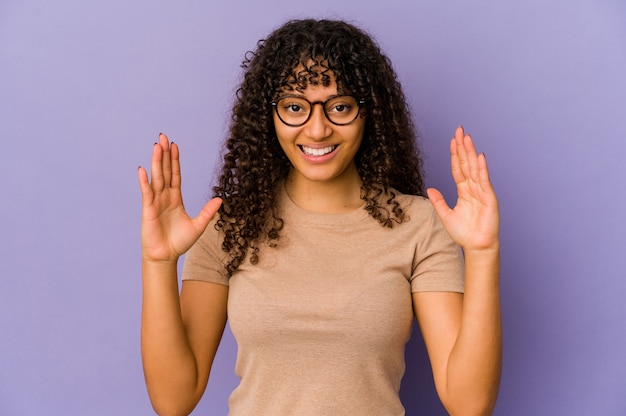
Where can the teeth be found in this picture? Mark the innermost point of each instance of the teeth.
(317, 152)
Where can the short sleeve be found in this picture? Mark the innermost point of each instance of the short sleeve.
(438, 262)
(205, 260)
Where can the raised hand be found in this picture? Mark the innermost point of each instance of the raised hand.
(474, 222)
(166, 230)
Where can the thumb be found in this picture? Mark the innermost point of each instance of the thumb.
(207, 213)
(438, 202)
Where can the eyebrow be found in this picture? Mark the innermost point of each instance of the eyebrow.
(330, 97)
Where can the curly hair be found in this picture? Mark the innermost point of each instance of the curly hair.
(299, 53)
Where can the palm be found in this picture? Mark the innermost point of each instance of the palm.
(474, 222)
(166, 230)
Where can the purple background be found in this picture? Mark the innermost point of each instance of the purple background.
(86, 86)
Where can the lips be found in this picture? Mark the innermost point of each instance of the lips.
(309, 151)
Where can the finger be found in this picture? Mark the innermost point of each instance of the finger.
(207, 213)
(459, 137)
(455, 164)
(483, 174)
(176, 177)
(167, 162)
(146, 190)
(156, 169)
(472, 157)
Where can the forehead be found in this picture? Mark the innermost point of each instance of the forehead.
(311, 74)
(312, 93)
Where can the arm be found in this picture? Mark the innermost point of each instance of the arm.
(179, 334)
(463, 333)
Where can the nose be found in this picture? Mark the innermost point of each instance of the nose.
(318, 127)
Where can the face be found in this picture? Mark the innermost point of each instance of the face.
(319, 150)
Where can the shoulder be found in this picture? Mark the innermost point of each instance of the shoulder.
(205, 260)
(418, 208)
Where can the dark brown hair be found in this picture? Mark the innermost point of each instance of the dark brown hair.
(296, 54)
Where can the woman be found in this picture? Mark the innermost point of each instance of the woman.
(324, 246)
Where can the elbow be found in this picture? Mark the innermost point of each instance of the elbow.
(172, 405)
(474, 411)
(170, 409)
(479, 407)
(173, 397)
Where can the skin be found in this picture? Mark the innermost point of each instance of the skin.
(463, 333)
(180, 333)
(329, 183)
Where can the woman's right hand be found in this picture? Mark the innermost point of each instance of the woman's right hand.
(166, 230)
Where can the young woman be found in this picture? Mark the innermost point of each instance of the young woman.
(320, 246)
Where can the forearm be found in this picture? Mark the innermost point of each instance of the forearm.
(169, 364)
(474, 365)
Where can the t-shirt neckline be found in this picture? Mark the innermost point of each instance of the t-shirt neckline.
(292, 210)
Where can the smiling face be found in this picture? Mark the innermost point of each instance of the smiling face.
(319, 150)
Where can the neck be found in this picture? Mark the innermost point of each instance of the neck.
(334, 196)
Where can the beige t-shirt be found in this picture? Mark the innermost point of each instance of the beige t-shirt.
(321, 321)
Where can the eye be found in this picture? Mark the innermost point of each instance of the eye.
(293, 107)
(341, 105)
(341, 108)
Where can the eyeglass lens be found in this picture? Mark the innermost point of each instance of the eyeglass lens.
(295, 111)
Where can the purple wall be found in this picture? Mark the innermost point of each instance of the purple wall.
(85, 87)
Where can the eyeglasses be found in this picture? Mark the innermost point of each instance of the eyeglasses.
(295, 111)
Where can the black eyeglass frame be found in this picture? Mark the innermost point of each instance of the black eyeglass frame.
(359, 104)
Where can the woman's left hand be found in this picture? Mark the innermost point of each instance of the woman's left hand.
(475, 221)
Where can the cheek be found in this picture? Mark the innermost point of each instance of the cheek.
(283, 139)
(359, 135)
(286, 141)
(282, 133)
